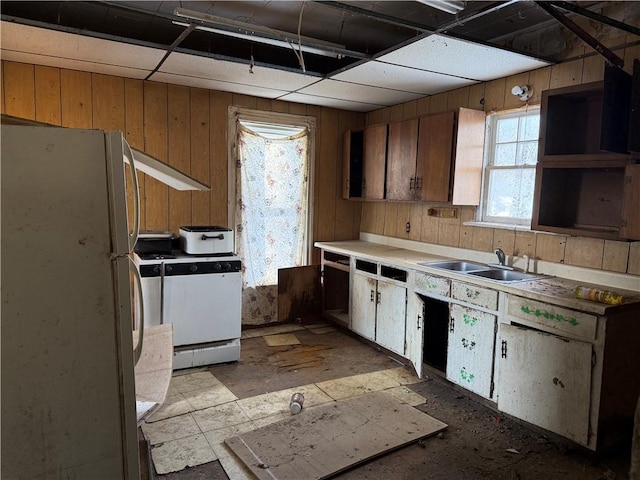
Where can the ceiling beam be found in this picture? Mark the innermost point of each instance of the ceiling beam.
(583, 34)
(596, 16)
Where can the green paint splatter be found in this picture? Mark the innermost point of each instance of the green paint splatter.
(469, 320)
(466, 376)
(549, 316)
(432, 285)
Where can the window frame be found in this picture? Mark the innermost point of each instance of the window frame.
(488, 166)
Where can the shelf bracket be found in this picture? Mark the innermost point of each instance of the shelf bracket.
(580, 32)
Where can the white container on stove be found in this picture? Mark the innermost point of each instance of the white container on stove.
(206, 240)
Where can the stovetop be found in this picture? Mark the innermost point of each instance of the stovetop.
(177, 256)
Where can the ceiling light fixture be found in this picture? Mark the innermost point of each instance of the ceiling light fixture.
(257, 33)
(523, 92)
(449, 6)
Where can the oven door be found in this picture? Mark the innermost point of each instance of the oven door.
(203, 308)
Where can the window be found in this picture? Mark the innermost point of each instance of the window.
(271, 160)
(510, 167)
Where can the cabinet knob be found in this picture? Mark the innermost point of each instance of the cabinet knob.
(371, 295)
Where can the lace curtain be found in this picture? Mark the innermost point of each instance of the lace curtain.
(271, 216)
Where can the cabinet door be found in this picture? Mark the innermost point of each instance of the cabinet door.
(352, 158)
(414, 328)
(470, 349)
(433, 164)
(631, 203)
(401, 159)
(363, 306)
(374, 159)
(468, 157)
(545, 380)
(390, 316)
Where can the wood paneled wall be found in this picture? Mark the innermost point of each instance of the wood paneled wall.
(390, 218)
(185, 127)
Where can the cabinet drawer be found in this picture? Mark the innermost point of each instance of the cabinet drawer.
(556, 318)
(435, 285)
(483, 297)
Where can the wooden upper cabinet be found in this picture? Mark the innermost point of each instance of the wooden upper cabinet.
(352, 157)
(433, 164)
(374, 162)
(401, 160)
(468, 157)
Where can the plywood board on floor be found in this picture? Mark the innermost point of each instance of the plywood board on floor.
(281, 340)
(322, 441)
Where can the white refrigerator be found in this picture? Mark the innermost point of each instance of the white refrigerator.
(67, 357)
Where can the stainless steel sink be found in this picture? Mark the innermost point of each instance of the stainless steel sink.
(505, 275)
(456, 266)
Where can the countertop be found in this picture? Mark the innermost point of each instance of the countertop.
(551, 289)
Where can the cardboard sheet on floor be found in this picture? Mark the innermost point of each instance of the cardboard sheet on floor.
(324, 440)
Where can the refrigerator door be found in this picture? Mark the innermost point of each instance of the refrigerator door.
(67, 387)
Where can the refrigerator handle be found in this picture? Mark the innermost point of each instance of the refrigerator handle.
(133, 238)
(137, 351)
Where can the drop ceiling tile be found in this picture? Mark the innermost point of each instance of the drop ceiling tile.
(330, 102)
(52, 43)
(397, 77)
(357, 92)
(217, 85)
(225, 71)
(451, 56)
(74, 64)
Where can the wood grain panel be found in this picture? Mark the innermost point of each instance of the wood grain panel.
(439, 103)
(510, 100)
(346, 226)
(525, 244)
(466, 231)
(367, 222)
(429, 228)
(297, 108)
(374, 158)
(458, 98)
(47, 87)
(263, 104)
(155, 144)
(469, 151)
(390, 218)
(593, 69)
(483, 239)
(218, 161)
(476, 96)
(630, 53)
(134, 134)
(76, 99)
(2, 87)
(179, 152)
(615, 256)
(633, 265)
(244, 101)
(279, 106)
(402, 149)
(566, 74)
(424, 104)
(402, 219)
(328, 188)
(380, 211)
(449, 232)
(584, 252)
(107, 97)
(433, 158)
(410, 110)
(396, 113)
(540, 80)
(19, 90)
(200, 161)
(494, 95)
(375, 117)
(415, 221)
(504, 239)
(550, 247)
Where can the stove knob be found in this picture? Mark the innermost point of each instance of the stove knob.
(217, 267)
(168, 268)
(193, 268)
(156, 269)
(226, 266)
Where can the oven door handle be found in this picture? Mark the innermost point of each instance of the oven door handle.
(137, 351)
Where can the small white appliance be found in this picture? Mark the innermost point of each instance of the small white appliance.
(202, 297)
(206, 240)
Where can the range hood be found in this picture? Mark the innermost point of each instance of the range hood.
(144, 162)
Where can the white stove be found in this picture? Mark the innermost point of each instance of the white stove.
(201, 295)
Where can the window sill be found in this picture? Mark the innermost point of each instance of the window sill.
(501, 226)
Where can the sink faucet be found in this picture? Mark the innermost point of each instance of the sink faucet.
(501, 256)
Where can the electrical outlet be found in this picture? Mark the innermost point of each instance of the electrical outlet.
(407, 227)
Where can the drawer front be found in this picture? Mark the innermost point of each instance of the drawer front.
(556, 318)
(483, 297)
(427, 284)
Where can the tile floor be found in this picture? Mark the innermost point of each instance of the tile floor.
(200, 411)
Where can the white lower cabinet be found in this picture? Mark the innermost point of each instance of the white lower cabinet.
(378, 311)
(470, 349)
(363, 305)
(545, 380)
